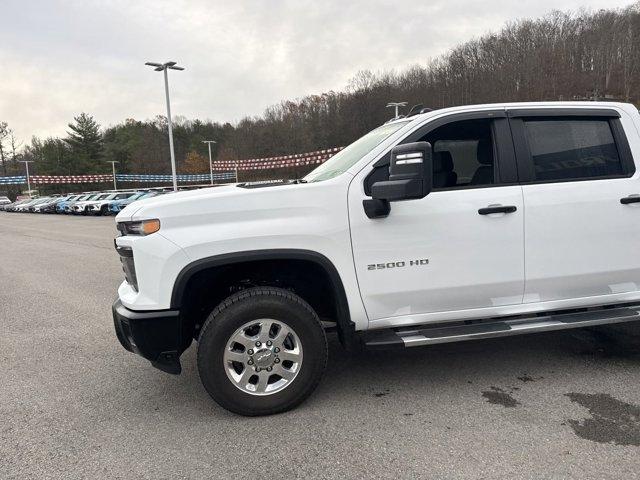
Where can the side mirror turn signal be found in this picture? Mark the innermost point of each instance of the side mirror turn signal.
(410, 178)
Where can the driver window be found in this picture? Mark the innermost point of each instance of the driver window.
(463, 154)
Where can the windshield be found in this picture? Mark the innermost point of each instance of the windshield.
(345, 159)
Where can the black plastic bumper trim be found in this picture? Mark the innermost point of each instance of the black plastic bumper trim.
(154, 335)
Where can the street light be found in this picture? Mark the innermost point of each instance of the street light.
(26, 164)
(163, 67)
(113, 169)
(209, 142)
(396, 105)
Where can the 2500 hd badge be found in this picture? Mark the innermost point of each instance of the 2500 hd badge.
(410, 263)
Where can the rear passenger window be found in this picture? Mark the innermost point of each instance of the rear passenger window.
(566, 149)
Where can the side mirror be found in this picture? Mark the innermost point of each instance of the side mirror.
(410, 177)
(410, 174)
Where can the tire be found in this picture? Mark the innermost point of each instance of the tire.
(257, 307)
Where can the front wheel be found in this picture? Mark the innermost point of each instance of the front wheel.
(261, 351)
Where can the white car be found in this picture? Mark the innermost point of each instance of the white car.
(100, 206)
(27, 207)
(81, 207)
(455, 224)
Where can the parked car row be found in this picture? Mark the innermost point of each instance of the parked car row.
(87, 203)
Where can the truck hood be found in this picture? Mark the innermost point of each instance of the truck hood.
(237, 202)
(137, 209)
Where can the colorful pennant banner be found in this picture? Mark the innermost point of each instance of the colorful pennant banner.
(228, 168)
(125, 177)
(308, 158)
(48, 179)
(13, 180)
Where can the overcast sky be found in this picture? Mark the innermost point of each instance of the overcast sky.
(62, 57)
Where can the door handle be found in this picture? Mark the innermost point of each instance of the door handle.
(497, 209)
(630, 199)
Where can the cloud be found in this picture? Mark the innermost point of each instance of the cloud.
(62, 57)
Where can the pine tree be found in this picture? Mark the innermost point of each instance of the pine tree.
(85, 142)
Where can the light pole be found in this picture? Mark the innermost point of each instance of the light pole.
(26, 164)
(396, 105)
(209, 142)
(163, 67)
(113, 169)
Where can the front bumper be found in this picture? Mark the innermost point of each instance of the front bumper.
(154, 335)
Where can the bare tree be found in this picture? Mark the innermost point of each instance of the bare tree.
(5, 132)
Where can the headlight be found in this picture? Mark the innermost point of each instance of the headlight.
(143, 227)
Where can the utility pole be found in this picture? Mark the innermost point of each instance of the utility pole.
(164, 67)
(26, 164)
(209, 142)
(113, 169)
(396, 105)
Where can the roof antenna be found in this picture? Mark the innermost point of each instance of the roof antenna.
(415, 110)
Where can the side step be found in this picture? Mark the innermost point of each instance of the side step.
(431, 335)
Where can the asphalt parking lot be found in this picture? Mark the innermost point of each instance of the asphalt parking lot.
(75, 404)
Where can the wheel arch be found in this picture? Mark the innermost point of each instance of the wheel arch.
(346, 327)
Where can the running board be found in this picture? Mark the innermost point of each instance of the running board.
(425, 335)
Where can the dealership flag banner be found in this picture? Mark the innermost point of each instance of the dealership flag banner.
(120, 177)
(225, 168)
(49, 179)
(13, 180)
(284, 161)
(125, 177)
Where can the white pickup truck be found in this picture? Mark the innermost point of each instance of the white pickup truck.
(456, 224)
